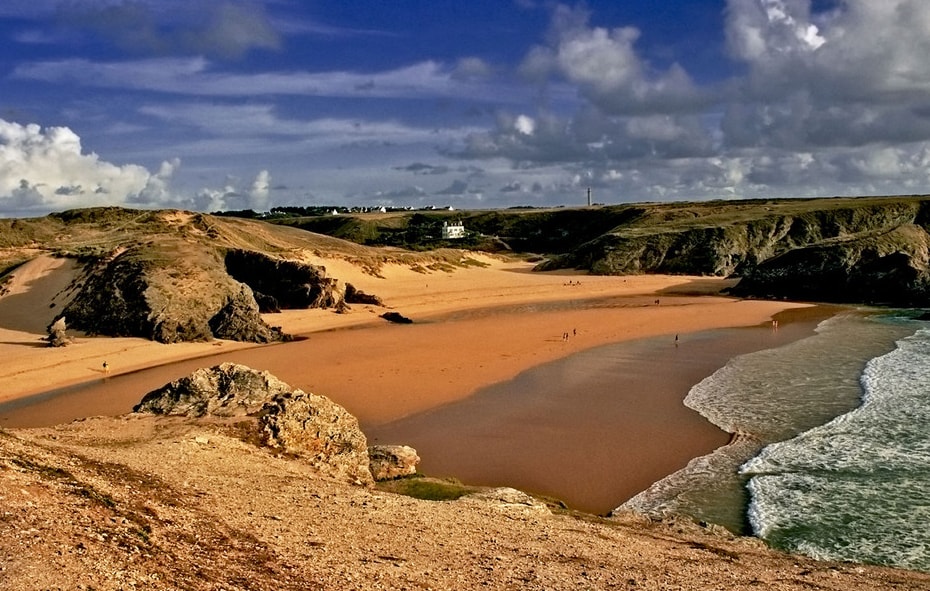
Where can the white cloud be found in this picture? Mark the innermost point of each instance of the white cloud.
(524, 124)
(45, 169)
(606, 68)
(199, 76)
(259, 192)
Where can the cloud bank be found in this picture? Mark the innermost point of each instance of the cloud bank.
(44, 170)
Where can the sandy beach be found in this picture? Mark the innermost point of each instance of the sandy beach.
(473, 327)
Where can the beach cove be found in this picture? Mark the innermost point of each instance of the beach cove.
(475, 328)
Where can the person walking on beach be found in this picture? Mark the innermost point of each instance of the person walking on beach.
(106, 368)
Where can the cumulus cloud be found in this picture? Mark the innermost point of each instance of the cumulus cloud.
(236, 195)
(43, 170)
(829, 101)
(46, 169)
(259, 191)
(849, 77)
(606, 68)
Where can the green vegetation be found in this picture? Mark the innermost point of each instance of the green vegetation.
(427, 489)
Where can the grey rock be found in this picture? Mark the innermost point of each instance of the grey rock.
(388, 462)
(56, 333)
(226, 390)
(239, 320)
(320, 432)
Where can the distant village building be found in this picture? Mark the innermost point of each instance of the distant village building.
(453, 231)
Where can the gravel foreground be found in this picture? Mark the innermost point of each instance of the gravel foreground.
(142, 502)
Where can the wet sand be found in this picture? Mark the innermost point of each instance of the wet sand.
(593, 429)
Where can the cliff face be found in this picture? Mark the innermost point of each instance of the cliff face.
(870, 249)
(282, 284)
(873, 251)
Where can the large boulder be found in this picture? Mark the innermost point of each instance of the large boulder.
(388, 462)
(169, 292)
(319, 431)
(308, 426)
(226, 390)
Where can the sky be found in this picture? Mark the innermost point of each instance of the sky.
(250, 104)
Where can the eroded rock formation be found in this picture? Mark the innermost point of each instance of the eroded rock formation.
(392, 461)
(281, 284)
(225, 390)
(309, 426)
(320, 432)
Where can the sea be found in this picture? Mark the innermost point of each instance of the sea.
(830, 455)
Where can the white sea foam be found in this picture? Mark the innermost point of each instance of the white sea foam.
(858, 487)
(770, 396)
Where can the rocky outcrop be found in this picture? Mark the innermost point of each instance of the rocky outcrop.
(282, 284)
(140, 292)
(388, 462)
(868, 250)
(892, 270)
(357, 296)
(225, 390)
(240, 320)
(309, 426)
(320, 432)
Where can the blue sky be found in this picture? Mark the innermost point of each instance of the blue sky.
(235, 104)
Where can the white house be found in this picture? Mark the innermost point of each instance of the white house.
(453, 231)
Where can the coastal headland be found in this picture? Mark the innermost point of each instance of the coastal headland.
(121, 500)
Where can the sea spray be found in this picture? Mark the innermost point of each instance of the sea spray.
(858, 487)
(764, 397)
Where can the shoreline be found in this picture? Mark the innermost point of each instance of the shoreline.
(475, 330)
(595, 428)
(350, 364)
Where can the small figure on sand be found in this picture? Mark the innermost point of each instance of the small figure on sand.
(106, 368)
(774, 325)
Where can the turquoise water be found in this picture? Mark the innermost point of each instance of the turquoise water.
(832, 456)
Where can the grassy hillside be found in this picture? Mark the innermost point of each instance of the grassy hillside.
(176, 276)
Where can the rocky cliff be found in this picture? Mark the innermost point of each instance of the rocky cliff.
(845, 250)
(871, 249)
